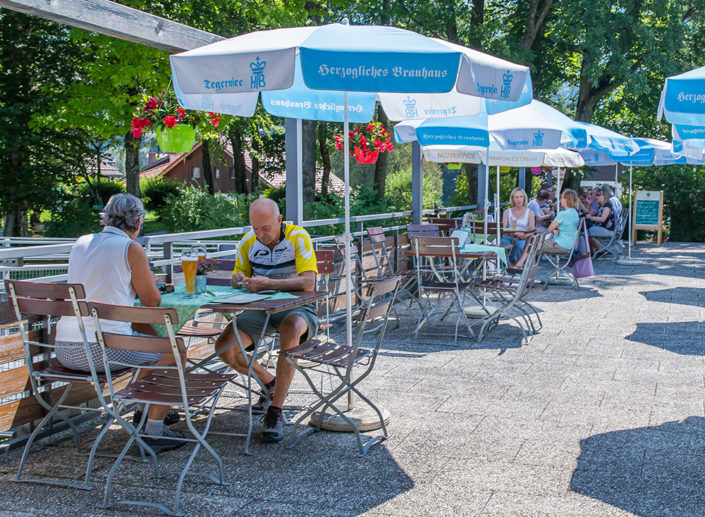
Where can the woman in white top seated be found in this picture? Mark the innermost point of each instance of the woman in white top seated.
(113, 268)
(517, 217)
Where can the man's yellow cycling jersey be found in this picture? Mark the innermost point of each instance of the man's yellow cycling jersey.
(291, 256)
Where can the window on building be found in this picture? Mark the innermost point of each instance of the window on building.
(232, 173)
(217, 173)
(196, 172)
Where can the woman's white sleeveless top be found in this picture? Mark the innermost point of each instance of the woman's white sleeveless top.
(99, 262)
(523, 223)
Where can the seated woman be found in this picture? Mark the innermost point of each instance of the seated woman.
(563, 229)
(517, 217)
(113, 268)
(542, 214)
(602, 224)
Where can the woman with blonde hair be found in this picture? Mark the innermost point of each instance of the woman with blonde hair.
(563, 229)
(520, 220)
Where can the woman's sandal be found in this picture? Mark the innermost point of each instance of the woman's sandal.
(515, 270)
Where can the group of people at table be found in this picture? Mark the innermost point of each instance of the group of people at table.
(114, 269)
(599, 207)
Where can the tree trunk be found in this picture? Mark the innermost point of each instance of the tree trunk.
(238, 161)
(132, 164)
(385, 17)
(381, 165)
(207, 168)
(477, 18)
(15, 223)
(325, 157)
(308, 155)
(452, 22)
(471, 172)
(590, 94)
(534, 21)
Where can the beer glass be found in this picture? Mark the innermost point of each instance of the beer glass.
(200, 251)
(189, 264)
(514, 224)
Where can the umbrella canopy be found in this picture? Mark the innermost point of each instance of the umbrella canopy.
(683, 99)
(341, 57)
(522, 127)
(405, 69)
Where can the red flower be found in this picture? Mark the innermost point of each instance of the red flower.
(215, 119)
(170, 121)
(136, 132)
(181, 113)
(151, 104)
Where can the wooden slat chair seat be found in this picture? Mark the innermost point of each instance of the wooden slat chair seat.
(168, 385)
(346, 364)
(51, 301)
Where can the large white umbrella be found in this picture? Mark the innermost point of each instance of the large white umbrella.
(343, 58)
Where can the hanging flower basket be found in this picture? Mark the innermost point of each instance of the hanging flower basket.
(536, 171)
(176, 127)
(367, 141)
(453, 165)
(365, 155)
(178, 139)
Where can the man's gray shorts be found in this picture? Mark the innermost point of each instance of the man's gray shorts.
(252, 322)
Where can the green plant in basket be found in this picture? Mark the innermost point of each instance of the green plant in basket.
(175, 127)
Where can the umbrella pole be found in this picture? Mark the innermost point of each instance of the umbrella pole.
(497, 211)
(629, 261)
(558, 191)
(346, 231)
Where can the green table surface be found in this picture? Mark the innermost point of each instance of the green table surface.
(497, 250)
(187, 306)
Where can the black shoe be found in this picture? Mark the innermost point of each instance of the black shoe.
(262, 404)
(273, 429)
(171, 417)
(515, 270)
(167, 441)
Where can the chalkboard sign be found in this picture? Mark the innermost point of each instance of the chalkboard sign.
(648, 213)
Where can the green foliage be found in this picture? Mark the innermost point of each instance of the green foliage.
(398, 187)
(194, 209)
(73, 216)
(155, 191)
(106, 189)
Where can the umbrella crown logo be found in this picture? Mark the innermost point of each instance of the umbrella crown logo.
(538, 139)
(506, 85)
(257, 80)
(410, 110)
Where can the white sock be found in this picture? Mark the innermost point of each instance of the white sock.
(154, 427)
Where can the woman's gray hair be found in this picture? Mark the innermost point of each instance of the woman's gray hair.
(123, 211)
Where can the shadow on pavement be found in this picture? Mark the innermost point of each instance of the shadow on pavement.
(682, 295)
(646, 471)
(683, 337)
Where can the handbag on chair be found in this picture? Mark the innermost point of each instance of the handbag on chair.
(583, 266)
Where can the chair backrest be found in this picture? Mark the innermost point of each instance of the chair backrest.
(221, 265)
(31, 299)
(446, 225)
(422, 230)
(378, 244)
(150, 344)
(433, 253)
(535, 244)
(378, 299)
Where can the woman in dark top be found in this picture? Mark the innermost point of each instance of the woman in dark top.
(602, 224)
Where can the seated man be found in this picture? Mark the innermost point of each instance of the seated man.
(273, 255)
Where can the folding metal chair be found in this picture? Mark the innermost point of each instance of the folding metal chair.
(168, 385)
(509, 294)
(561, 262)
(613, 245)
(52, 301)
(438, 272)
(348, 365)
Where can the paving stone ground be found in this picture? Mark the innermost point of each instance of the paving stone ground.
(602, 413)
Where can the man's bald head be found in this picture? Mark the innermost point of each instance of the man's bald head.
(264, 207)
(266, 221)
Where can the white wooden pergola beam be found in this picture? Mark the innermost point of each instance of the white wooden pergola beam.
(118, 21)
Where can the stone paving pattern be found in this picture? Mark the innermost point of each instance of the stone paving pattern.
(600, 414)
